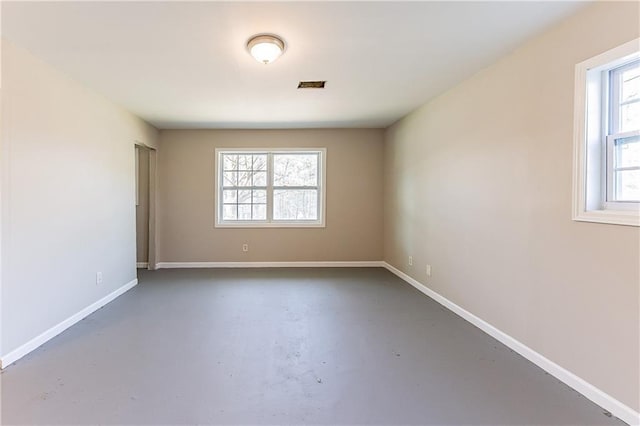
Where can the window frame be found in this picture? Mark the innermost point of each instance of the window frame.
(592, 163)
(610, 201)
(270, 222)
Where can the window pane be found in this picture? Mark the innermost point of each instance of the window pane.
(630, 117)
(245, 161)
(630, 84)
(295, 204)
(229, 196)
(259, 212)
(260, 162)
(260, 179)
(627, 185)
(259, 196)
(627, 152)
(295, 169)
(230, 212)
(230, 161)
(244, 196)
(244, 178)
(230, 178)
(244, 212)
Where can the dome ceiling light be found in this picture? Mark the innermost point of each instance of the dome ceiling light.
(265, 48)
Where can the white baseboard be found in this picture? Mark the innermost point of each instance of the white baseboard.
(604, 400)
(34, 343)
(329, 264)
(142, 264)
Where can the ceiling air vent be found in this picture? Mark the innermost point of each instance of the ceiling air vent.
(311, 84)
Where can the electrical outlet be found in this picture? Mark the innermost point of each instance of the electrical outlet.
(98, 278)
(428, 270)
(245, 247)
(410, 260)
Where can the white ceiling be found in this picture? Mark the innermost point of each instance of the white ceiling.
(184, 65)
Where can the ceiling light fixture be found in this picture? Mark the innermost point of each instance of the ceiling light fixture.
(265, 48)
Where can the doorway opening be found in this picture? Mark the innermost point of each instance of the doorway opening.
(145, 161)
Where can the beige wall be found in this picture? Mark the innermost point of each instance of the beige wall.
(478, 184)
(186, 198)
(68, 204)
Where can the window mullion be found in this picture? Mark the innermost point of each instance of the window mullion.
(220, 183)
(319, 190)
(269, 187)
(630, 102)
(625, 169)
(296, 187)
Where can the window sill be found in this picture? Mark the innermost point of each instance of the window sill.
(271, 225)
(612, 217)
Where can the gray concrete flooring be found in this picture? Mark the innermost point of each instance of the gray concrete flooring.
(282, 346)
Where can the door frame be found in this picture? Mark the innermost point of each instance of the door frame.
(151, 232)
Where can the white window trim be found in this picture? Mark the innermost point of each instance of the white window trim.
(591, 140)
(320, 223)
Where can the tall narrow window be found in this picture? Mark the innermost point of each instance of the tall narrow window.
(296, 187)
(623, 140)
(244, 187)
(607, 137)
(270, 188)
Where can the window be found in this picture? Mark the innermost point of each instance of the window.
(607, 137)
(270, 188)
(623, 140)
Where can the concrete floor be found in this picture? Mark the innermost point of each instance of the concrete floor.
(282, 346)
